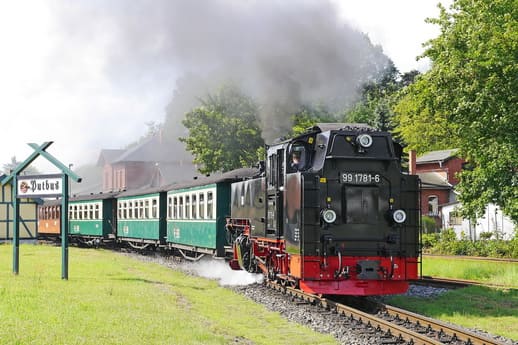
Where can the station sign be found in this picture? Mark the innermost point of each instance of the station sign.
(40, 186)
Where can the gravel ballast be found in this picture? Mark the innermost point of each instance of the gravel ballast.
(250, 285)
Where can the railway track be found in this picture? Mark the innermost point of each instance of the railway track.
(450, 283)
(392, 324)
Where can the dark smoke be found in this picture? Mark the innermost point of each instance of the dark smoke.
(282, 53)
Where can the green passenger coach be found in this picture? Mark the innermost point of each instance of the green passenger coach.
(92, 218)
(141, 217)
(197, 212)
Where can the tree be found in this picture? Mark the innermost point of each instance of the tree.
(223, 132)
(468, 100)
(375, 107)
(309, 116)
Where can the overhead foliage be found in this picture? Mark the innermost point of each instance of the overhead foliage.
(468, 99)
(375, 107)
(224, 133)
(309, 116)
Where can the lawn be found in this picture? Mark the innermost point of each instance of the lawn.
(490, 309)
(114, 299)
(502, 273)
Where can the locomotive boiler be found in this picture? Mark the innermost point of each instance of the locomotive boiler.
(332, 214)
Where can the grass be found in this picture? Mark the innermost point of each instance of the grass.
(114, 299)
(501, 273)
(489, 309)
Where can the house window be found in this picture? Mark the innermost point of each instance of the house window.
(433, 206)
(455, 218)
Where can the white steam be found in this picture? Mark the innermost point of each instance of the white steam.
(221, 271)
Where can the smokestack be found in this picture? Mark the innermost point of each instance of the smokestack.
(412, 158)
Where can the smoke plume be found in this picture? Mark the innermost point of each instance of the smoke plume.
(284, 54)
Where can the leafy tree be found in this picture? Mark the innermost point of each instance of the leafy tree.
(468, 100)
(376, 105)
(224, 133)
(309, 116)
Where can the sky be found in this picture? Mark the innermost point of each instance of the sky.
(90, 75)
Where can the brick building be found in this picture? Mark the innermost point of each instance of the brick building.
(437, 171)
(152, 162)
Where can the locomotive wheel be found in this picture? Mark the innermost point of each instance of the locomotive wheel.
(272, 274)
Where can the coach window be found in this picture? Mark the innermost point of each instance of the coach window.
(210, 205)
(97, 212)
(131, 208)
(194, 206)
(125, 210)
(175, 207)
(90, 211)
(180, 207)
(154, 207)
(187, 207)
(70, 211)
(201, 203)
(146, 209)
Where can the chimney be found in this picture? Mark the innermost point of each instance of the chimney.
(412, 162)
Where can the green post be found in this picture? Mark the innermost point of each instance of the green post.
(64, 229)
(40, 150)
(16, 226)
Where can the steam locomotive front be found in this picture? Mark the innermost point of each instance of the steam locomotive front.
(353, 227)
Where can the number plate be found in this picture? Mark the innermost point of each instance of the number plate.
(360, 178)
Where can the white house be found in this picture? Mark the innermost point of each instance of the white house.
(493, 221)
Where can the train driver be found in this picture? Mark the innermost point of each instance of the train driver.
(297, 162)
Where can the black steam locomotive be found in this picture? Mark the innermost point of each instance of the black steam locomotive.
(332, 214)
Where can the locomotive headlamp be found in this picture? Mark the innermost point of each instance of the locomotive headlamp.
(399, 216)
(364, 140)
(329, 216)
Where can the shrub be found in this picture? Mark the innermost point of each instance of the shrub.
(429, 225)
(446, 243)
(429, 240)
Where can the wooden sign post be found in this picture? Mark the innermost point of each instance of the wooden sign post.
(36, 187)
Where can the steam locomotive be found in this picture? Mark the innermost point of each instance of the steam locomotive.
(329, 211)
(344, 220)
